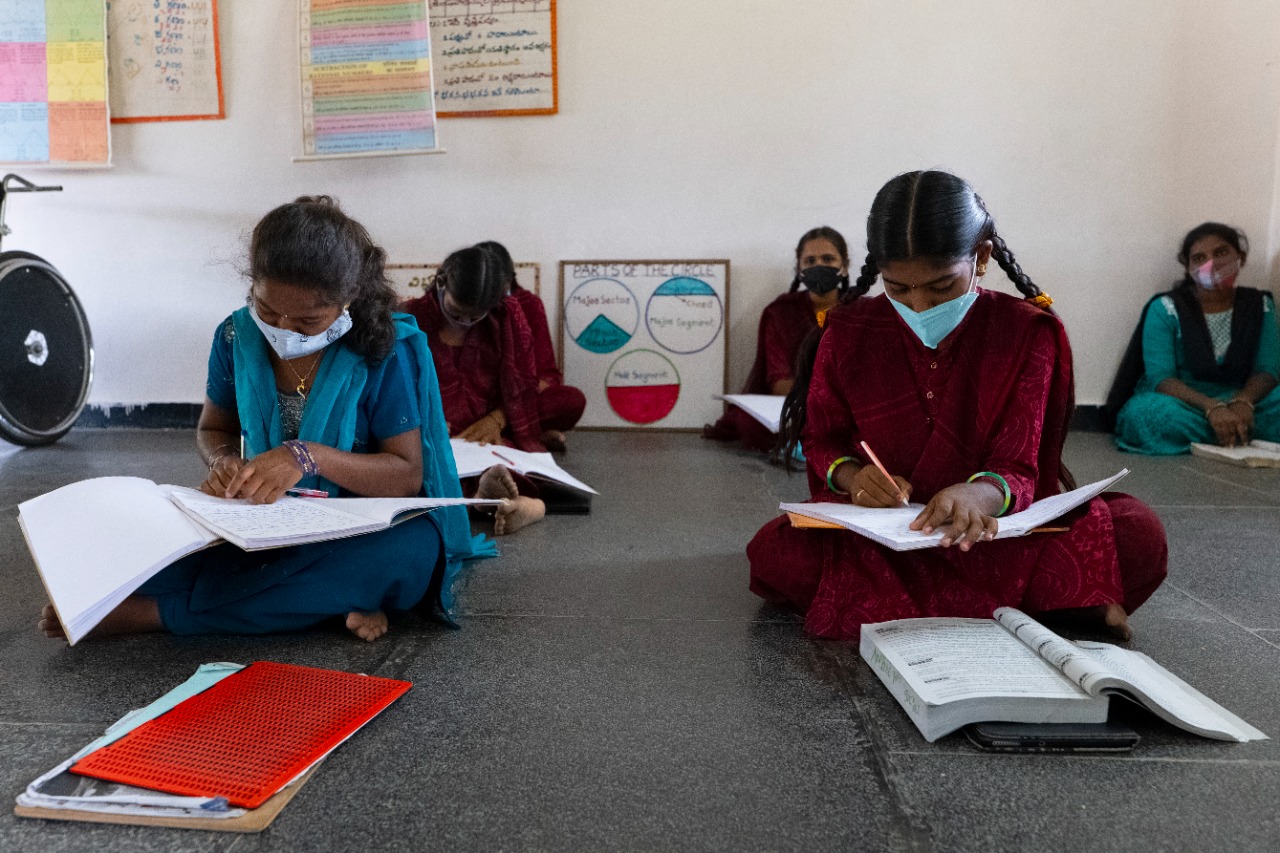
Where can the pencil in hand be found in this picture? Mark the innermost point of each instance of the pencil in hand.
(892, 482)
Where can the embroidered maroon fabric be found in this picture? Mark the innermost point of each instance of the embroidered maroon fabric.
(995, 396)
(784, 324)
(560, 406)
(492, 369)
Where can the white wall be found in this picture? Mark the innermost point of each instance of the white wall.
(1097, 131)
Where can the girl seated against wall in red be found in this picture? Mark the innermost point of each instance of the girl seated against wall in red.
(822, 266)
(560, 406)
(482, 347)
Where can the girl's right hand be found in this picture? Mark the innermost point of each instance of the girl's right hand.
(870, 488)
(1228, 426)
(221, 474)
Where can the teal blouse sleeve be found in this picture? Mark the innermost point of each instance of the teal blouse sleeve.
(1268, 358)
(1161, 338)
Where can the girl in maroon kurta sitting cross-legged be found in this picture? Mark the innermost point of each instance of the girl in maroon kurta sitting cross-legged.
(560, 406)
(965, 395)
(481, 346)
(822, 266)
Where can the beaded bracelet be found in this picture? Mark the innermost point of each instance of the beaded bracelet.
(831, 470)
(1004, 485)
(303, 457)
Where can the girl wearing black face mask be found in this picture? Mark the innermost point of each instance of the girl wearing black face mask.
(821, 277)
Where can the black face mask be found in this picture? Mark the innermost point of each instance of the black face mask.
(821, 280)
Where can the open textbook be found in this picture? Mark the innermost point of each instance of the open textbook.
(890, 526)
(765, 408)
(96, 541)
(949, 672)
(473, 458)
(1255, 454)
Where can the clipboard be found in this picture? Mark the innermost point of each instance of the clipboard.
(255, 820)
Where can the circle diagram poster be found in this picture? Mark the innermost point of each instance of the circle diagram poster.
(646, 341)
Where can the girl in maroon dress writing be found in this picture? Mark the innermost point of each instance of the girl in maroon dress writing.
(965, 395)
(560, 406)
(822, 266)
(481, 345)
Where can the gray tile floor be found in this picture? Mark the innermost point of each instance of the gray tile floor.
(616, 687)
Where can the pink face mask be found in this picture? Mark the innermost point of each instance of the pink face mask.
(1222, 278)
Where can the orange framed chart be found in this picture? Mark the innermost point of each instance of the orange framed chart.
(165, 61)
(495, 57)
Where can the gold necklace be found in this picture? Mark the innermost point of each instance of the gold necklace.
(302, 380)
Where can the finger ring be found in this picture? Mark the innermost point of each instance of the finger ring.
(858, 495)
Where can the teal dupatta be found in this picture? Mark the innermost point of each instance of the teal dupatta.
(329, 418)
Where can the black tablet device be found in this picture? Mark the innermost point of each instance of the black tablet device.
(1052, 737)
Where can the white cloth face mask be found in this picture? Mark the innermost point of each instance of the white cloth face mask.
(290, 345)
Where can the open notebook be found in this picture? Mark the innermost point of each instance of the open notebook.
(96, 541)
(890, 528)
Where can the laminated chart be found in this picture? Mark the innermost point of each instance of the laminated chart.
(165, 63)
(53, 82)
(366, 78)
(495, 57)
(645, 341)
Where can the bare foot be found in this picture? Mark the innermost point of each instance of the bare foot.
(1116, 622)
(367, 626)
(516, 513)
(50, 624)
(497, 482)
(137, 614)
(554, 440)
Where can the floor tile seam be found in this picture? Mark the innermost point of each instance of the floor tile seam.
(1154, 759)
(48, 724)
(1209, 475)
(1224, 616)
(1216, 506)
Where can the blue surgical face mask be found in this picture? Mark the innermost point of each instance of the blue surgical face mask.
(290, 345)
(934, 324)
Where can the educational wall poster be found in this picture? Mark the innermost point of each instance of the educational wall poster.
(413, 280)
(646, 341)
(165, 63)
(495, 57)
(53, 83)
(366, 78)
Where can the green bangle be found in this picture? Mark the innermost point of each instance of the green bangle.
(1008, 495)
(832, 469)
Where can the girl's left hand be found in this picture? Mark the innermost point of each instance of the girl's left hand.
(960, 514)
(264, 478)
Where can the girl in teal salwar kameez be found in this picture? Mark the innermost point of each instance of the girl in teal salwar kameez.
(315, 383)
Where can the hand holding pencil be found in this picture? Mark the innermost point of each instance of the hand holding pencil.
(874, 486)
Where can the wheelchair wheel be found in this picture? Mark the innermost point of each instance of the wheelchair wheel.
(46, 352)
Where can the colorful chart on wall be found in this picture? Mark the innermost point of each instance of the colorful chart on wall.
(165, 62)
(53, 83)
(366, 79)
(413, 280)
(646, 341)
(495, 57)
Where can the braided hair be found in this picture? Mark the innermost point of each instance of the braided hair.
(310, 243)
(923, 214)
(835, 238)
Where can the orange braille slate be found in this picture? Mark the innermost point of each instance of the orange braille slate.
(248, 735)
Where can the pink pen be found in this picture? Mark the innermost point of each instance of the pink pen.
(872, 456)
(307, 493)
